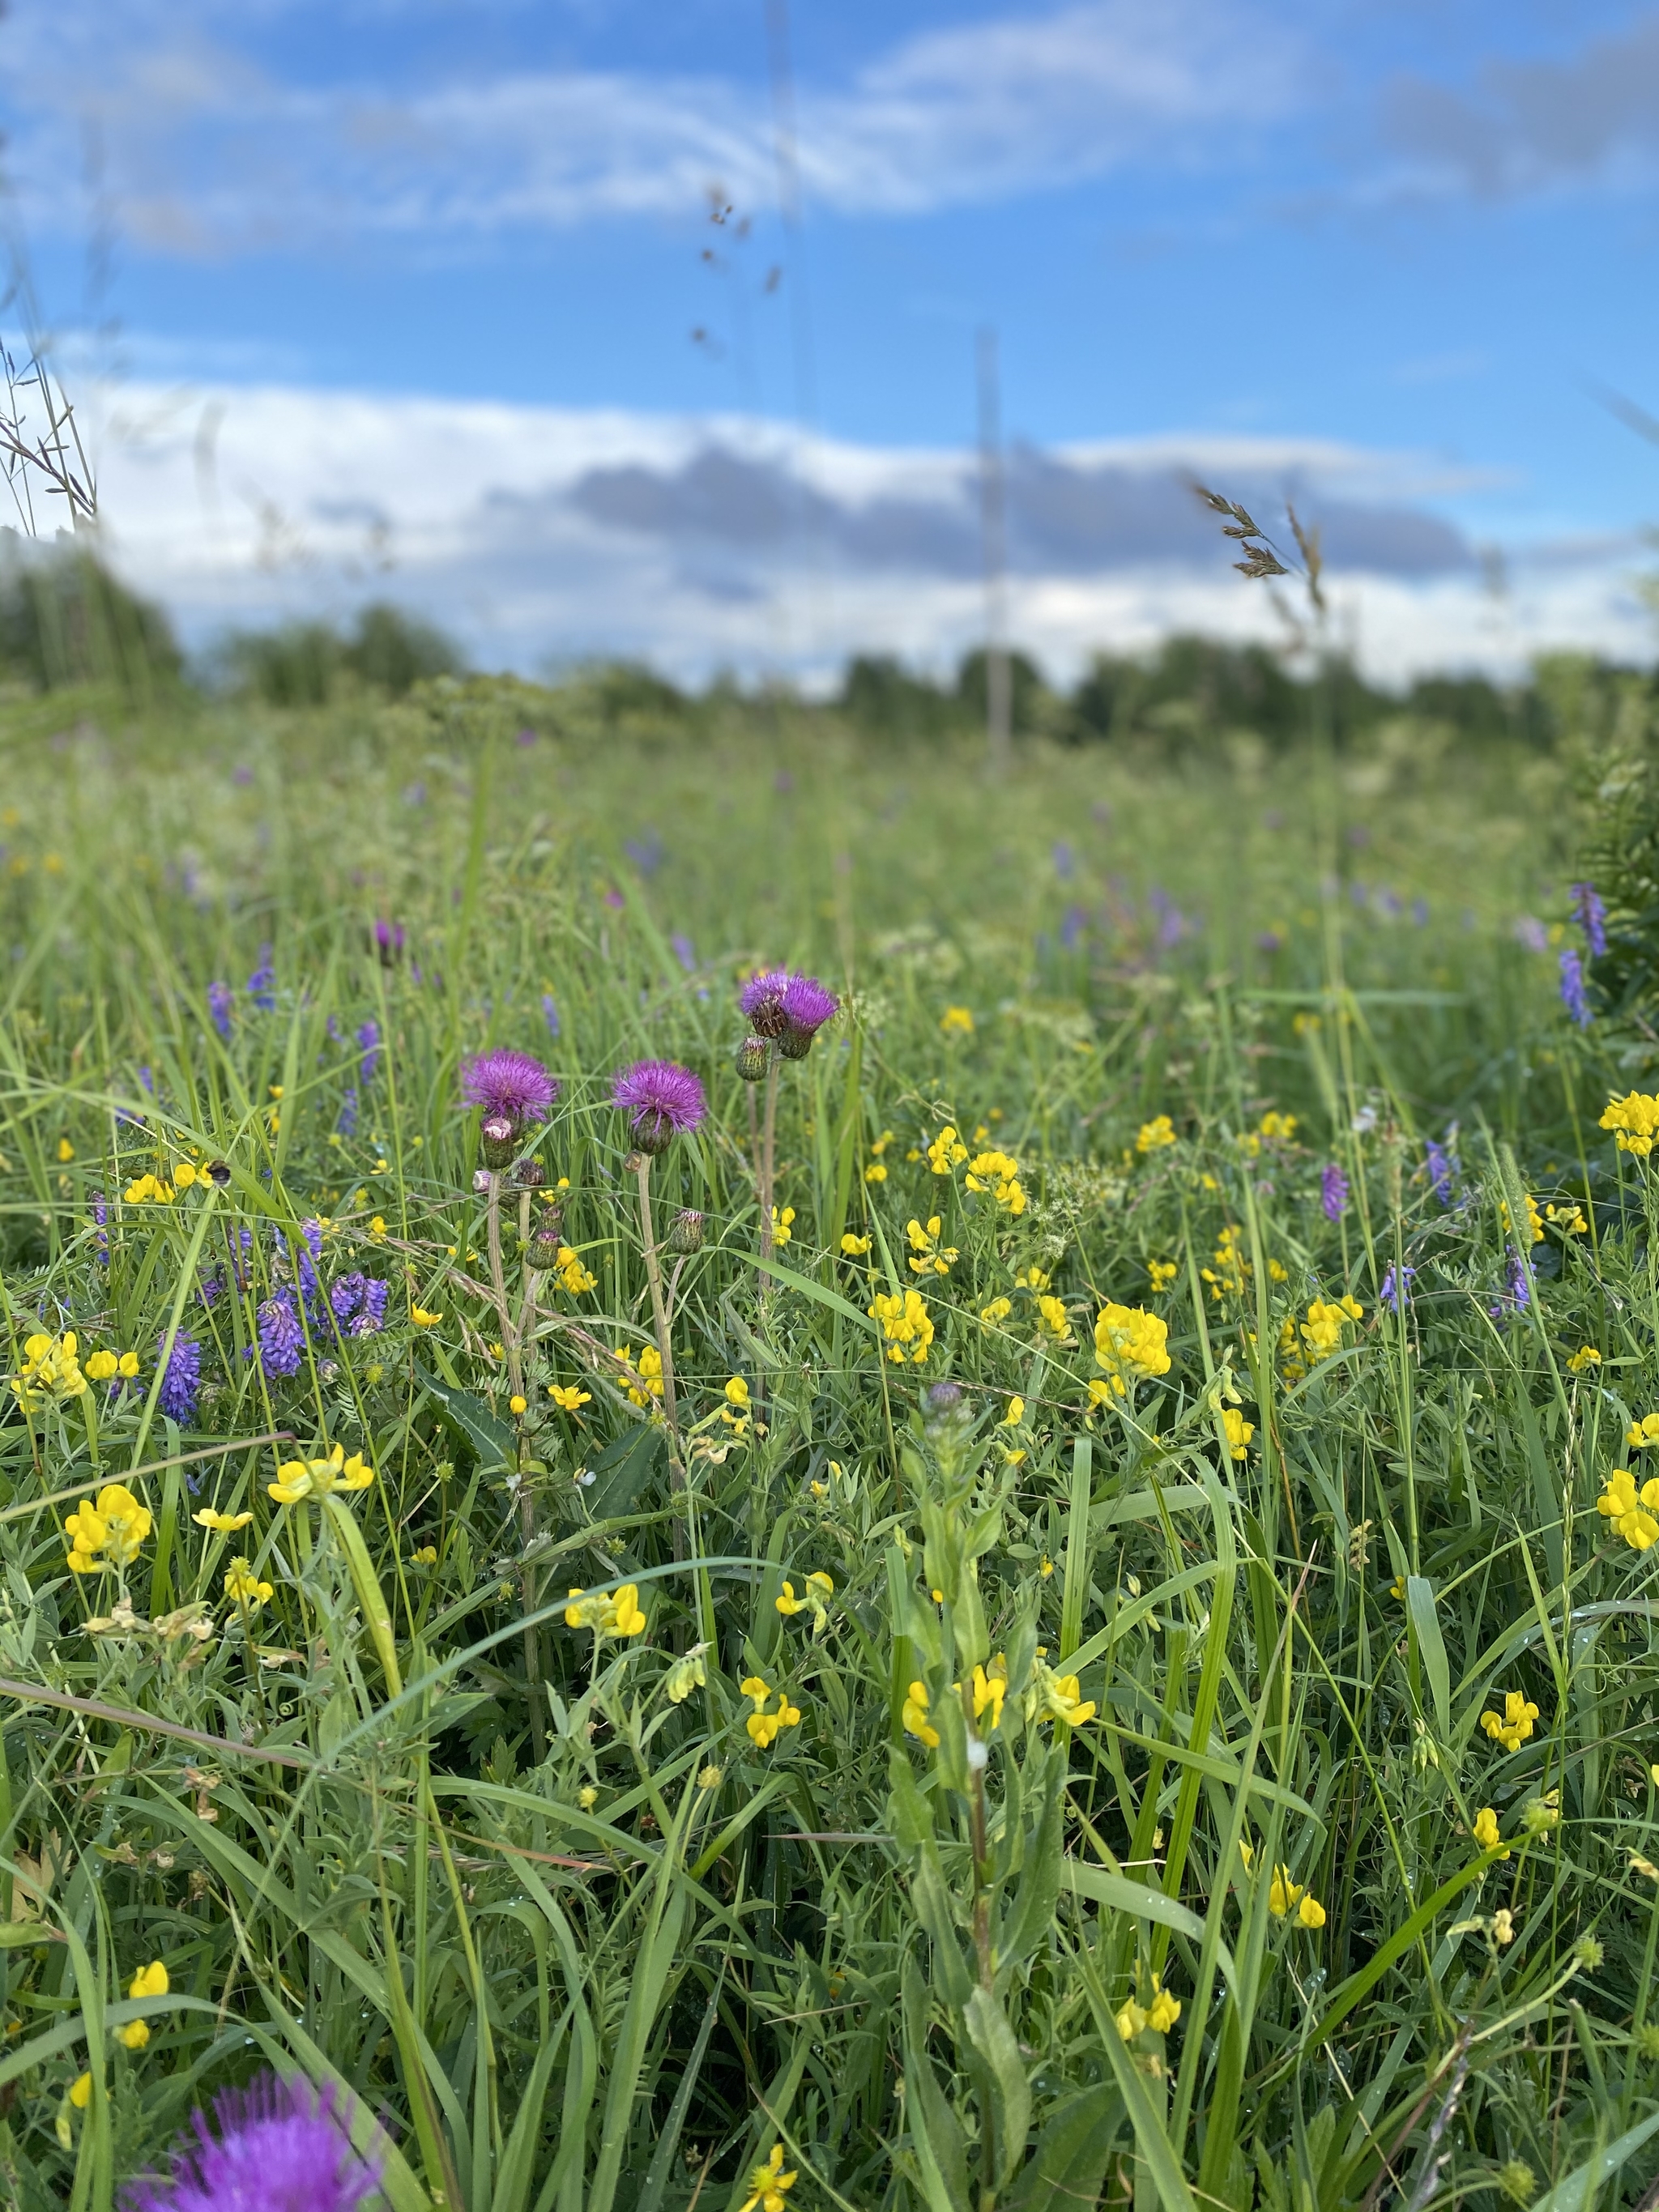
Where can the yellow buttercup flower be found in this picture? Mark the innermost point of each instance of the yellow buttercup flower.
(421, 1319)
(1155, 1135)
(1130, 1344)
(904, 1324)
(567, 1398)
(915, 1716)
(299, 1478)
(1632, 1511)
(1515, 1725)
(768, 2184)
(244, 1588)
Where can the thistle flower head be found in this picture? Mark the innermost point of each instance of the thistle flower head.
(276, 2147)
(807, 1008)
(662, 1101)
(511, 1084)
(763, 1001)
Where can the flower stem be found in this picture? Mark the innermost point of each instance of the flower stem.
(768, 1155)
(532, 1657)
(665, 1346)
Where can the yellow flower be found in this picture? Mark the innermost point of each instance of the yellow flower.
(998, 1174)
(117, 1526)
(990, 1688)
(767, 2183)
(1058, 1699)
(764, 1728)
(1130, 1345)
(1283, 1894)
(1311, 1912)
(1515, 1725)
(904, 1322)
(1163, 1273)
(1279, 1128)
(997, 1311)
(916, 1722)
(1015, 1415)
(1053, 1320)
(854, 1247)
(147, 1190)
(518, 1404)
(648, 1365)
(185, 1174)
(150, 1981)
(426, 1555)
(1130, 2021)
(244, 1588)
(1569, 1220)
(587, 1796)
(1032, 1278)
(1634, 1119)
(567, 1398)
(1397, 1589)
(616, 1615)
(576, 1278)
(879, 1144)
(1622, 1505)
(1321, 1332)
(1239, 1431)
(946, 1151)
(1643, 1432)
(51, 1370)
(935, 1257)
(1535, 1224)
(1583, 1359)
(737, 1393)
(80, 2093)
(299, 1478)
(757, 1689)
(876, 1172)
(421, 1319)
(782, 1224)
(683, 1676)
(957, 1022)
(1153, 1135)
(1231, 1268)
(377, 1227)
(1045, 1566)
(1486, 1829)
(101, 1367)
(135, 2035)
(1164, 2011)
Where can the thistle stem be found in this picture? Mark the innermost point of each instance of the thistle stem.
(665, 1345)
(532, 1657)
(768, 1157)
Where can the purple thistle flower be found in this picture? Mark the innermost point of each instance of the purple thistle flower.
(762, 1000)
(1391, 1293)
(219, 998)
(508, 1083)
(281, 1340)
(662, 1100)
(259, 983)
(550, 1014)
(807, 1008)
(1573, 988)
(181, 1383)
(368, 1043)
(1333, 1191)
(276, 2147)
(1592, 918)
(1441, 1168)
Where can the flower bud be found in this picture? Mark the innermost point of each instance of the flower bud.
(941, 1400)
(482, 1180)
(753, 1055)
(528, 1174)
(497, 1139)
(542, 1251)
(795, 1044)
(685, 1231)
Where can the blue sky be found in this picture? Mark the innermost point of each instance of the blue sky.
(1382, 258)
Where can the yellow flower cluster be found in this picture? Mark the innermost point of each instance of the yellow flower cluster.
(988, 1688)
(934, 1257)
(648, 1365)
(1286, 1896)
(221, 1524)
(1160, 2015)
(1485, 1830)
(946, 1151)
(299, 1478)
(571, 1273)
(1535, 1220)
(105, 1367)
(1155, 1135)
(1132, 1345)
(764, 1728)
(1226, 1278)
(1238, 1431)
(1634, 1120)
(1053, 1321)
(1058, 1697)
(51, 1370)
(619, 1614)
(1163, 1273)
(1515, 1725)
(115, 1528)
(150, 1981)
(148, 1190)
(957, 1022)
(783, 1224)
(999, 1175)
(1319, 1336)
(1569, 1220)
(567, 1398)
(244, 1588)
(1632, 1511)
(1583, 1359)
(904, 1323)
(915, 1716)
(1641, 1433)
(819, 1587)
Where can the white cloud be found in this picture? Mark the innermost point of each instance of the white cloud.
(537, 534)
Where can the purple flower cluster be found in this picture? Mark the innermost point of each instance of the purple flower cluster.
(1573, 995)
(788, 1010)
(662, 1101)
(511, 1084)
(1443, 1166)
(358, 1304)
(260, 981)
(100, 1224)
(1517, 1294)
(1333, 1191)
(347, 1122)
(282, 1338)
(368, 1043)
(1592, 918)
(181, 1382)
(220, 999)
(276, 2147)
(388, 942)
(1392, 1293)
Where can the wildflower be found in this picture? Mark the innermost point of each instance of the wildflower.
(282, 1339)
(946, 1151)
(1630, 1512)
(805, 1007)
(1573, 995)
(1485, 1830)
(278, 2147)
(1583, 1359)
(299, 1478)
(876, 1172)
(1130, 1345)
(648, 1365)
(1015, 1415)
(1540, 1814)
(1238, 1431)
(1396, 1293)
(219, 1000)
(957, 1022)
(1634, 1120)
(221, 1524)
(421, 1319)
(764, 1728)
(108, 1366)
(51, 1370)
(79, 2095)
(1227, 1278)
(150, 1981)
(916, 1719)
(1440, 1163)
(904, 1322)
(1591, 916)
(1163, 1273)
(1279, 1128)
(1333, 1191)
(999, 1175)
(1534, 1220)
(818, 1588)
(259, 983)
(1058, 1697)
(997, 1312)
(1503, 1925)
(181, 1379)
(244, 1588)
(573, 1275)
(1397, 1590)
(1032, 1278)
(1311, 1912)
(518, 1404)
(935, 1258)
(424, 1555)
(1131, 2020)
(1164, 2011)
(1152, 1136)
(1516, 2180)
(768, 2184)
(513, 1085)
(368, 1043)
(618, 1614)
(1514, 1726)
(1641, 1433)
(587, 1796)
(662, 1101)
(1321, 1332)
(117, 1527)
(685, 1675)
(567, 1398)
(782, 1224)
(989, 1689)
(762, 1001)
(1286, 1896)
(1053, 1321)
(1045, 1566)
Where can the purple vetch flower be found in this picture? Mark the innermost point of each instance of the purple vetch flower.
(510, 1084)
(1074, 927)
(1064, 859)
(368, 1043)
(1516, 1294)
(1573, 988)
(1592, 918)
(684, 950)
(662, 1101)
(241, 775)
(358, 1304)
(101, 1223)
(1420, 912)
(281, 1340)
(762, 1001)
(645, 853)
(387, 939)
(219, 999)
(276, 2146)
(807, 1008)
(181, 1382)
(1333, 1191)
(1391, 1293)
(526, 737)
(550, 1014)
(1269, 941)
(347, 1123)
(259, 983)
(1442, 1167)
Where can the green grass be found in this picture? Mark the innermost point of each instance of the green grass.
(539, 1896)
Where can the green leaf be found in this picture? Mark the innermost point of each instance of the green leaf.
(1010, 2093)
(1419, 1603)
(493, 1441)
(1072, 2153)
(621, 1472)
(1576, 2190)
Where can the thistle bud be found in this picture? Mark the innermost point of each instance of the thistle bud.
(542, 1252)
(941, 1400)
(685, 1231)
(636, 1159)
(753, 1055)
(528, 1174)
(482, 1180)
(497, 1139)
(795, 1044)
(552, 1221)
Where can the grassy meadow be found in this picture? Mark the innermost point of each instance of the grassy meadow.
(1111, 1665)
